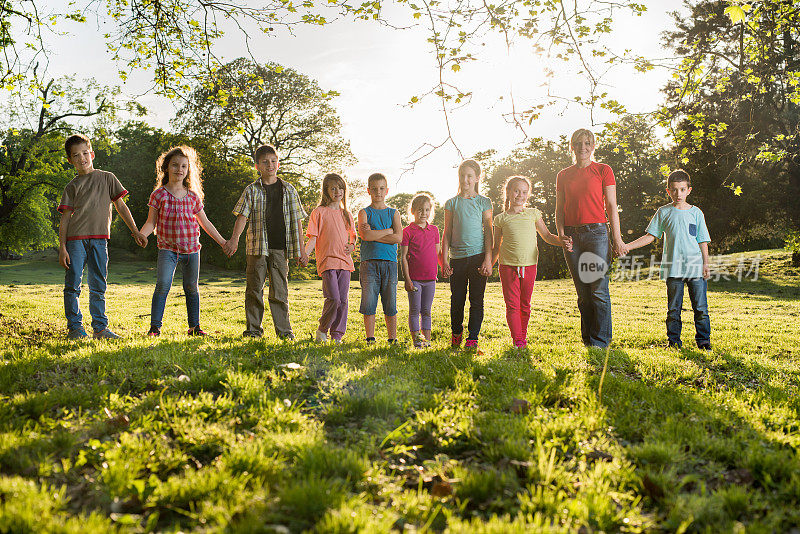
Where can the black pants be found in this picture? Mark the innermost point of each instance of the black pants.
(465, 273)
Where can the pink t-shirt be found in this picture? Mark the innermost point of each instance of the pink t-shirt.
(422, 257)
(583, 193)
(177, 228)
(327, 225)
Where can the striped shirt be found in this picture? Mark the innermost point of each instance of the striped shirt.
(253, 206)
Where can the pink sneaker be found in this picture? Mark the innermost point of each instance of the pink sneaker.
(471, 344)
(455, 341)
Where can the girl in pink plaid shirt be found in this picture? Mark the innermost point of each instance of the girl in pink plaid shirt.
(176, 208)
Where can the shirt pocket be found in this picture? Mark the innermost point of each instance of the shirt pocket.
(693, 230)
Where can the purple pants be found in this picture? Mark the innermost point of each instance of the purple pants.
(335, 287)
(419, 304)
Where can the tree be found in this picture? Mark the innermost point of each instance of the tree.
(33, 170)
(244, 105)
(733, 107)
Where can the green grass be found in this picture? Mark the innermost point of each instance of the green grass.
(219, 434)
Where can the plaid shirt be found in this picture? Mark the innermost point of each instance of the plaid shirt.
(253, 205)
(177, 228)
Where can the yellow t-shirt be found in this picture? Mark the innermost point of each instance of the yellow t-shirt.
(518, 248)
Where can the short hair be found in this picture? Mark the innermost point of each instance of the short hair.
(264, 150)
(577, 134)
(375, 177)
(679, 175)
(418, 201)
(75, 139)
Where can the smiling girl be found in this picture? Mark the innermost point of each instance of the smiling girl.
(332, 236)
(176, 208)
(515, 245)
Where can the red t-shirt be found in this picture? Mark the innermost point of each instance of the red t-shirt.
(583, 193)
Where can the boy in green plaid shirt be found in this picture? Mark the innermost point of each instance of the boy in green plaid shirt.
(274, 236)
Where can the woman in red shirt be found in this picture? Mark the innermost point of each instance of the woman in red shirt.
(585, 193)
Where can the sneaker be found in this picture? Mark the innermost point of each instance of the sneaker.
(704, 346)
(370, 341)
(78, 333)
(106, 333)
(455, 341)
(419, 343)
(195, 331)
(287, 337)
(338, 341)
(521, 345)
(154, 332)
(471, 344)
(321, 337)
(673, 345)
(392, 341)
(248, 333)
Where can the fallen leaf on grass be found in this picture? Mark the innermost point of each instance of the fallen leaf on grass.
(739, 476)
(442, 489)
(520, 406)
(651, 488)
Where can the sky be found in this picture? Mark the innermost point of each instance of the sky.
(377, 69)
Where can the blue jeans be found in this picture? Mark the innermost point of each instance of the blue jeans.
(378, 277)
(167, 262)
(697, 294)
(589, 264)
(93, 253)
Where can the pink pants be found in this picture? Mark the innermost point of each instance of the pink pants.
(517, 289)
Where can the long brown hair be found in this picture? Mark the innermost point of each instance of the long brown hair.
(507, 189)
(326, 200)
(469, 164)
(193, 181)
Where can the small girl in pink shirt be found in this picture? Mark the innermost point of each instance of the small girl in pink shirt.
(419, 253)
(332, 236)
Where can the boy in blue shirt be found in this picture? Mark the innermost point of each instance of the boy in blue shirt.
(685, 258)
(380, 230)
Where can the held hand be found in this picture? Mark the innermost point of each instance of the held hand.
(410, 286)
(230, 247)
(63, 257)
(140, 239)
(706, 270)
(447, 271)
(486, 268)
(303, 259)
(349, 248)
(620, 248)
(566, 242)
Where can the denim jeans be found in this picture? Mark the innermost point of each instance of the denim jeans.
(589, 263)
(93, 253)
(466, 276)
(697, 294)
(378, 277)
(167, 262)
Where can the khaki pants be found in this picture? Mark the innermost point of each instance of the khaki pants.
(276, 266)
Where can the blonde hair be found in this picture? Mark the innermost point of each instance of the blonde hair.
(469, 164)
(577, 134)
(326, 200)
(193, 181)
(417, 202)
(507, 189)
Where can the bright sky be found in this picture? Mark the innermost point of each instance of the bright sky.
(378, 69)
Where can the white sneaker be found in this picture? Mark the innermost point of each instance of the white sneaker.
(322, 337)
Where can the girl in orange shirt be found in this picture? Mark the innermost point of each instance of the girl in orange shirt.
(332, 236)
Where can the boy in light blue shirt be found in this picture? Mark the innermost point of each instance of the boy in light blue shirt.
(685, 258)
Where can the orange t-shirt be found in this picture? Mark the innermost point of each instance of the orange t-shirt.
(327, 225)
(583, 193)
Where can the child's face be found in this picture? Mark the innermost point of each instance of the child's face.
(422, 215)
(335, 192)
(178, 168)
(678, 191)
(469, 180)
(267, 166)
(378, 190)
(81, 156)
(519, 194)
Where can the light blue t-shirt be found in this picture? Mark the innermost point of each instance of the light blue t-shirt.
(683, 231)
(467, 237)
(375, 250)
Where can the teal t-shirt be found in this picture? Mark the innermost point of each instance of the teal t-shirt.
(467, 236)
(683, 231)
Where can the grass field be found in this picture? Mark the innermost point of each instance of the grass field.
(234, 435)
